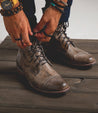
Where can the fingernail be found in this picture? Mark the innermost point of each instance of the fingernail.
(31, 33)
(30, 44)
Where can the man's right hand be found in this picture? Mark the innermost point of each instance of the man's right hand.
(18, 26)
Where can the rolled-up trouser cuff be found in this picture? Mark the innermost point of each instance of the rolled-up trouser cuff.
(65, 15)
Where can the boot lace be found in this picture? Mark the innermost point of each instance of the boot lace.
(37, 54)
(62, 37)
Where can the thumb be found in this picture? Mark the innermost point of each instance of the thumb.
(40, 25)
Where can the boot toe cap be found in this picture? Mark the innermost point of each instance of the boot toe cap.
(56, 84)
(92, 60)
(85, 58)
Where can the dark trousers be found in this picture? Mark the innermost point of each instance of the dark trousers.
(29, 9)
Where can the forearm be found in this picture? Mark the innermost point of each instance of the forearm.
(59, 5)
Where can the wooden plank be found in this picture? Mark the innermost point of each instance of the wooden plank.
(29, 100)
(7, 67)
(64, 70)
(68, 72)
(76, 73)
(88, 45)
(9, 95)
(34, 110)
(15, 95)
(8, 55)
(8, 44)
(12, 79)
(20, 82)
(77, 85)
(86, 86)
(15, 80)
(11, 55)
(23, 110)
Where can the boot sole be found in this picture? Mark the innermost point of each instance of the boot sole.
(43, 91)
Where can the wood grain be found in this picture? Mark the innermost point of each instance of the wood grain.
(16, 96)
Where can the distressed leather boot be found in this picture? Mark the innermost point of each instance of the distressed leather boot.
(32, 63)
(64, 50)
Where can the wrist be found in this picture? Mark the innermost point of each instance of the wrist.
(56, 11)
(61, 2)
(60, 10)
(58, 5)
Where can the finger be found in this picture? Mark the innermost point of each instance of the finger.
(46, 39)
(24, 44)
(40, 25)
(47, 35)
(49, 30)
(12, 38)
(29, 30)
(20, 44)
(39, 35)
(18, 41)
(43, 37)
(25, 38)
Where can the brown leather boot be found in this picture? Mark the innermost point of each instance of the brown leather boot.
(63, 49)
(32, 63)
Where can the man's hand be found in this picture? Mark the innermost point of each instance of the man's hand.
(50, 20)
(18, 26)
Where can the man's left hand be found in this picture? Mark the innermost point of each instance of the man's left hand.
(49, 20)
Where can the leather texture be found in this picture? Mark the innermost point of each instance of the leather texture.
(32, 62)
(65, 47)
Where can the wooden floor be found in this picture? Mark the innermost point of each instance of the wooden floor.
(16, 96)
